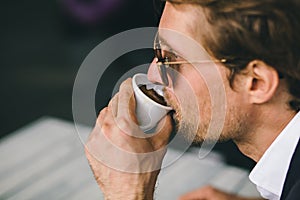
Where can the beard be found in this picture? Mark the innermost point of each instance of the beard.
(185, 116)
(208, 128)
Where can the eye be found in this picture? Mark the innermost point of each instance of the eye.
(171, 55)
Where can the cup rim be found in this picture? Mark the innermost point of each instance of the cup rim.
(136, 88)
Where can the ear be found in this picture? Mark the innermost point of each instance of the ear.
(262, 81)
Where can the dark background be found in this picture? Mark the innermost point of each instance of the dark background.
(43, 44)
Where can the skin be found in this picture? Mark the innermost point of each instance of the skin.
(257, 95)
(110, 135)
(210, 193)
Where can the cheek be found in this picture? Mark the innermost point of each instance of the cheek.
(192, 84)
(191, 88)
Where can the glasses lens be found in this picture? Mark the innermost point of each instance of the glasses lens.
(158, 55)
(163, 74)
(160, 59)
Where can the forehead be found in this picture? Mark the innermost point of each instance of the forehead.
(183, 18)
(181, 27)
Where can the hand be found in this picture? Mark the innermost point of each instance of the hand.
(210, 193)
(124, 160)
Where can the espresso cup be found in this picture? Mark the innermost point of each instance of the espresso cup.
(148, 111)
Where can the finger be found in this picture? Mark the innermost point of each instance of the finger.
(99, 122)
(209, 192)
(113, 105)
(101, 116)
(95, 137)
(113, 128)
(163, 132)
(196, 194)
(132, 105)
(125, 106)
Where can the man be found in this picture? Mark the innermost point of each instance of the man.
(255, 47)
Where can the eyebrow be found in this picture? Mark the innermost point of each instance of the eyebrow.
(165, 43)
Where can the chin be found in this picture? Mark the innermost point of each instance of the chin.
(199, 136)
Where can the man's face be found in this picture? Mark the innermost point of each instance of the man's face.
(205, 105)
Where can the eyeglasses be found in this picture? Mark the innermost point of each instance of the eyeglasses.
(169, 58)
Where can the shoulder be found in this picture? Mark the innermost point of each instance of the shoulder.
(294, 193)
(291, 188)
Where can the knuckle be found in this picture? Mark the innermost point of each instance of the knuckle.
(128, 81)
(105, 127)
(109, 109)
(103, 111)
(126, 85)
(102, 114)
(114, 98)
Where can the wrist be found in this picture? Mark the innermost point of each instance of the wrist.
(132, 194)
(139, 187)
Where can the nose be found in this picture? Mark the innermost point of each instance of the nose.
(153, 73)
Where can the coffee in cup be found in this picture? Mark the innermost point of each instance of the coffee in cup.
(153, 95)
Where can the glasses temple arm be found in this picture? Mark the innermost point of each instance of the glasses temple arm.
(185, 62)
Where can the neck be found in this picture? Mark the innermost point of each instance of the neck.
(267, 126)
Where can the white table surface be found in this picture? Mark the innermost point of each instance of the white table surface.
(45, 160)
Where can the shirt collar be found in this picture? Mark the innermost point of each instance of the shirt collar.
(270, 172)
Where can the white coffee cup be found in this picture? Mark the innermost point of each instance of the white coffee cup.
(148, 111)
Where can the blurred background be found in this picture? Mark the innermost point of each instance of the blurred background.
(43, 44)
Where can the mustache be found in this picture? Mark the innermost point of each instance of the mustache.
(176, 112)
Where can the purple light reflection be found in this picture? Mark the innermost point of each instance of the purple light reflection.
(91, 11)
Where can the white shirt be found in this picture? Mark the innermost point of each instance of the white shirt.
(270, 172)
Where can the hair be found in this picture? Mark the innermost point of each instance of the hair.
(267, 30)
